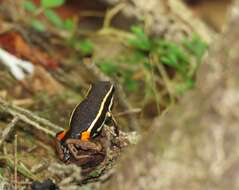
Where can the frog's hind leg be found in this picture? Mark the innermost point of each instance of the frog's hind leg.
(74, 146)
(79, 159)
(84, 145)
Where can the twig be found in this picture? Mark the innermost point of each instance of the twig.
(117, 33)
(110, 14)
(123, 100)
(90, 13)
(24, 183)
(23, 102)
(18, 67)
(8, 131)
(128, 112)
(39, 167)
(153, 81)
(22, 169)
(15, 162)
(106, 176)
(30, 118)
(5, 184)
(167, 82)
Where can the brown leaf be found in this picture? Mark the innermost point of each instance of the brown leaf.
(16, 45)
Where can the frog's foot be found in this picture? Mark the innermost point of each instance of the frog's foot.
(79, 159)
(84, 145)
(87, 157)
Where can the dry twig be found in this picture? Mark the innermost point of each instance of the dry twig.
(15, 162)
(128, 112)
(9, 130)
(30, 118)
(111, 14)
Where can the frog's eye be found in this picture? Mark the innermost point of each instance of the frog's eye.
(85, 136)
(61, 135)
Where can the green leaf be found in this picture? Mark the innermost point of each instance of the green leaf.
(86, 47)
(52, 3)
(38, 25)
(69, 24)
(166, 60)
(148, 66)
(131, 85)
(54, 18)
(175, 56)
(142, 44)
(140, 40)
(195, 46)
(182, 88)
(108, 67)
(1, 172)
(29, 6)
(136, 57)
(138, 31)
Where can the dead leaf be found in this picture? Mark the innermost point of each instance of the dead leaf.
(14, 43)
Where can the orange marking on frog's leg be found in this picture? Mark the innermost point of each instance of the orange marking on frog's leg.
(85, 136)
(61, 135)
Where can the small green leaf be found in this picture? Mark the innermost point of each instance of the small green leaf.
(1, 172)
(166, 60)
(138, 31)
(51, 3)
(131, 85)
(195, 46)
(135, 57)
(140, 39)
(86, 47)
(182, 88)
(142, 44)
(108, 68)
(29, 6)
(69, 24)
(54, 18)
(38, 25)
(148, 66)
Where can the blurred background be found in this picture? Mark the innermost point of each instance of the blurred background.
(52, 50)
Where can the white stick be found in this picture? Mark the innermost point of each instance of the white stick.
(18, 67)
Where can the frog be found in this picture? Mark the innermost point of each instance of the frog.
(81, 143)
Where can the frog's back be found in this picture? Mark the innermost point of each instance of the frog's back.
(92, 110)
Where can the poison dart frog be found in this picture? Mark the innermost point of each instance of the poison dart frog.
(86, 123)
